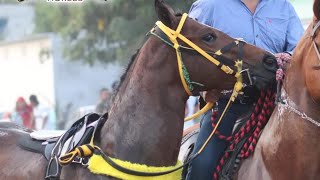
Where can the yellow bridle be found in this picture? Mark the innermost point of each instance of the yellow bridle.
(173, 35)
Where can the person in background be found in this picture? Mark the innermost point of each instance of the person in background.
(272, 25)
(23, 114)
(40, 112)
(103, 104)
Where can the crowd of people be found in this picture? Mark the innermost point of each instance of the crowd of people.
(35, 115)
(32, 115)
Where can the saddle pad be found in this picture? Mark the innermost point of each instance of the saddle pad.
(43, 135)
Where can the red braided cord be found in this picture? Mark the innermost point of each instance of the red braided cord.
(258, 119)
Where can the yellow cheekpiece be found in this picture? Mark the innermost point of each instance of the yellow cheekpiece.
(97, 165)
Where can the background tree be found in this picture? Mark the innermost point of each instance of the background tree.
(98, 30)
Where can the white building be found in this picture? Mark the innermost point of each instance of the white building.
(60, 84)
(33, 64)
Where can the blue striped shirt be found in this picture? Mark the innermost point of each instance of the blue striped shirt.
(274, 26)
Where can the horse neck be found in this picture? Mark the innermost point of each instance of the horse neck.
(146, 119)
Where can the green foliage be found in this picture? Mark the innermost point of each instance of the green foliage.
(8, 2)
(100, 31)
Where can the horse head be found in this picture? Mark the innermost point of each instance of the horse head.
(258, 65)
(307, 57)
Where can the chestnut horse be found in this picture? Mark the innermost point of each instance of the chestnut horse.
(145, 122)
(289, 146)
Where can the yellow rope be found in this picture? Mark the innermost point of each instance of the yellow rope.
(215, 128)
(236, 90)
(206, 108)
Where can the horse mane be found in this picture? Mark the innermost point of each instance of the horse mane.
(124, 75)
(178, 14)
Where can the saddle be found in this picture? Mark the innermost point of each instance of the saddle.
(53, 145)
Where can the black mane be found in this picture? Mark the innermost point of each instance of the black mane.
(133, 57)
(123, 76)
(178, 14)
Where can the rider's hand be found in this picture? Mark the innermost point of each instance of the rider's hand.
(283, 59)
(212, 95)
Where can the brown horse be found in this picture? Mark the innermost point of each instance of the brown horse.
(146, 119)
(289, 146)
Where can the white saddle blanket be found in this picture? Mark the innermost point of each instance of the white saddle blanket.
(43, 135)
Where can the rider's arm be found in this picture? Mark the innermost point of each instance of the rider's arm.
(212, 95)
(202, 11)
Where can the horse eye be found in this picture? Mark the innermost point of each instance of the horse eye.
(208, 38)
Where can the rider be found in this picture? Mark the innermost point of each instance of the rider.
(269, 24)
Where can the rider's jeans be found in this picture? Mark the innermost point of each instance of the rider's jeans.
(203, 166)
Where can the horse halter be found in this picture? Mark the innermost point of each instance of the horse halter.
(184, 76)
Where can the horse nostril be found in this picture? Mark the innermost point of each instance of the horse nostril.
(269, 61)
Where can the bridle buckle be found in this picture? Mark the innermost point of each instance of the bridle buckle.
(247, 71)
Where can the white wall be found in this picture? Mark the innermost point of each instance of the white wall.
(56, 81)
(23, 74)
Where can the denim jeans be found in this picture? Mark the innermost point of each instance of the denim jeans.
(203, 166)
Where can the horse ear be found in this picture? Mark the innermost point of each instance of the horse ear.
(165, 13)
(316, 9)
